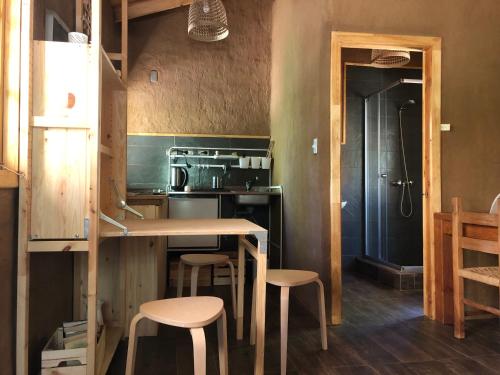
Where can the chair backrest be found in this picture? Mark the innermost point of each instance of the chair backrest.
(466, 237)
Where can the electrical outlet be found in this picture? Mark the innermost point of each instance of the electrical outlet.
(315, 146)
(153, 76)
(445, 127)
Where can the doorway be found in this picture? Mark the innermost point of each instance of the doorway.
(375, 203)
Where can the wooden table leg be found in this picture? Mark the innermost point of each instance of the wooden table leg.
(241, 289)
(260, 307)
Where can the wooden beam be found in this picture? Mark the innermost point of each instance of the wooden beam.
(10, 85)
(78, 16)
(145, 7)
(94, 116)
(22, 12)
(124, 54)
(114, 56)
(335, 182)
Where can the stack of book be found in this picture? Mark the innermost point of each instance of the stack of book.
(75, 334)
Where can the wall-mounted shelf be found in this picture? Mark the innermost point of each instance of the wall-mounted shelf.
(212, 152)
(110, 75)
(220, 166)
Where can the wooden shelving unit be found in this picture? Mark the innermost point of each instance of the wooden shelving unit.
(113, 336)
(73, 159)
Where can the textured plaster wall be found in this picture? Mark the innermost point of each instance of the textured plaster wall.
(203, 88)
(300, 103)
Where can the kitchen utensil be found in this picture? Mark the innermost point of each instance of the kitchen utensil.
(216, 182)
(256, 162)
(266, 163)
(178, 178)
(244, 162)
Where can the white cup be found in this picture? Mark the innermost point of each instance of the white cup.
(244, 162)
(187, 188)
(256, 162)
(266, 163)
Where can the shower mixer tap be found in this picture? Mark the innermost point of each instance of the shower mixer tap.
(401, 183)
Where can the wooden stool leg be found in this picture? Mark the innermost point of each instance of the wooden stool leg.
(199, 351)
(222, 340)
(180, 278)
(253, 328)
(132, 347)
(322, 314)
(233, 287)
(285, 293)
(194, 280)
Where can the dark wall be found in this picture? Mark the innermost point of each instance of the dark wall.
(148, 165)
(8, 272)
(400, 239)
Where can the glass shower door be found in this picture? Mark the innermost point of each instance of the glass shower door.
(375, 180)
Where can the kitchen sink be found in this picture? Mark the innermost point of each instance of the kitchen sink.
(252, 199)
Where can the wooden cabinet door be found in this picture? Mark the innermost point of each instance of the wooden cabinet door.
(59, 183)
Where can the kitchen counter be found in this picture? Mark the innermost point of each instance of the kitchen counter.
(228, 191)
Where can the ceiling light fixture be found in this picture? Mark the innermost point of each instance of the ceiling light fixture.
(207, 21)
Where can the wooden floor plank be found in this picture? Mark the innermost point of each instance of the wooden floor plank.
(384, 333)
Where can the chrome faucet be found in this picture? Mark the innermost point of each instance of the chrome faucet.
(249, 183)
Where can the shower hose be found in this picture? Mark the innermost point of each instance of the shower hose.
(406, 183)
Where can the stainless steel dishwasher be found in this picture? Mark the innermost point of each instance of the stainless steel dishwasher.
(193, 208)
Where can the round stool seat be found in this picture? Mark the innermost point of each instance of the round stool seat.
(203, 259)
(184, 312)
(290, 277)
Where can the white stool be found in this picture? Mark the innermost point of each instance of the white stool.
(287, 279)
(188, 312)
(199, 260)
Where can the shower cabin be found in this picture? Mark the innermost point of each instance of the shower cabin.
(382, 171)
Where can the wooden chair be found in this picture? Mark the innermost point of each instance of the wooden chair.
(463, 239)
(200, 260)
(193, 313)
(287, 279)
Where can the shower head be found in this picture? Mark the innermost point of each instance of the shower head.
(406, 104)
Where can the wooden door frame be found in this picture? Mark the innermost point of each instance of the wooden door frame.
(431, 150)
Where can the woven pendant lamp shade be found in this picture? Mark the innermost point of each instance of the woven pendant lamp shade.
(207, 21)
(389, 59)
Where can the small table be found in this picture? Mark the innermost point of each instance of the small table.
(202, 227)
(443, 260)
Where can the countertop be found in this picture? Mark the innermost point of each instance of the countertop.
(258, 190)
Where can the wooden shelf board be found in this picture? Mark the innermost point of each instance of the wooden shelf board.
(59, 122)
(55, 246)
(113, 336)
(115, 56)
(109, 74)
(106, 150)
(183, 227)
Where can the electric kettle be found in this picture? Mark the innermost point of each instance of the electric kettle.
(178, 178)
